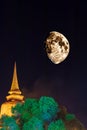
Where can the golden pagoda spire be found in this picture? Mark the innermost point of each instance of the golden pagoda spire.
(15, 93)
(15, 85)
(15, 96)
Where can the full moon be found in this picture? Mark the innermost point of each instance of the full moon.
(57, 47)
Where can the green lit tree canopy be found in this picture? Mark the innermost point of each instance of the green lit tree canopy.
(39, 114)
(33, 124)
(69, 116)
(57, 125)
(9, 123)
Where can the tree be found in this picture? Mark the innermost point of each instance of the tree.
(57, 125)
(39, 114)
(26, 110)
(9, 123)
(33, 124)
(69, 117)
(48, 108)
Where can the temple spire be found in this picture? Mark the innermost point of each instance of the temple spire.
(15, 93)
(15, 85)
(14, 96)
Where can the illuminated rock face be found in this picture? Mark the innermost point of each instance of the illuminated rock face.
(15, 96)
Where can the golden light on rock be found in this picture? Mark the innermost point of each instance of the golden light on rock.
(15, 96)
(57, 47)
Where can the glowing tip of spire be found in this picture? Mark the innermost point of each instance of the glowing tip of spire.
(15, 85)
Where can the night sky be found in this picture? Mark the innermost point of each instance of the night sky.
(24, 26)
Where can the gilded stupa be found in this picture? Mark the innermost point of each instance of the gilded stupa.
(15, 96)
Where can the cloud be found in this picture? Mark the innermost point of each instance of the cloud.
(45, 86)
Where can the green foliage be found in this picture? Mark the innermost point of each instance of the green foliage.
(29, 103)
(33, 114)
(9, 123)
(27, 110)
(32, 106)
(17, 110)
(69, 117)
(33, 124)
(57, 125)
(48, 108)
(45, 109)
